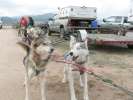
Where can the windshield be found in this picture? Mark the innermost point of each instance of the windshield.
(116, 19)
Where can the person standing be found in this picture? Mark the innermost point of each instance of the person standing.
(23, 23)
(31, 22)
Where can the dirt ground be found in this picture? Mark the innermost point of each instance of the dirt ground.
(114, 63)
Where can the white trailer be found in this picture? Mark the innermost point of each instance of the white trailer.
(78, 12)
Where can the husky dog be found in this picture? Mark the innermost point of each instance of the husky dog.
(78, 54)
(38, 55)
(35, 32)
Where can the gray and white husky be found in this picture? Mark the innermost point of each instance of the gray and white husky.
(78, 54)
(35, 62)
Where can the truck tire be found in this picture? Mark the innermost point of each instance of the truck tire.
(130, 46)
(1, 27)
(62, 32)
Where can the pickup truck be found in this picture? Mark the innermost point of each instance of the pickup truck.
(116, 24)
(72, 18)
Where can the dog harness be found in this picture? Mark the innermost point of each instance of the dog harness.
(68, 56)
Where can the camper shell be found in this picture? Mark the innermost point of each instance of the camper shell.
(72, 18)
(78, 12)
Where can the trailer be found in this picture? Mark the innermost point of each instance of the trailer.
(78, 12)
(107, 39)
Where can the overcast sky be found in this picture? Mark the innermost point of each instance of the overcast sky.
(27, 7)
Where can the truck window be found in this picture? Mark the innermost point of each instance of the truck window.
(118, 19)
(126, 20)
(115, 19)
(110, 19)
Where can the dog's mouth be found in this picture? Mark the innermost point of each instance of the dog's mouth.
(51, 51)
(75, 58)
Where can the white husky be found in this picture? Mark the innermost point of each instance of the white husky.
(78, 54)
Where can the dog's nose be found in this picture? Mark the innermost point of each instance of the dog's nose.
(71, 53)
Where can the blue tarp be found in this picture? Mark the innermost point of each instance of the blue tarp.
(94, 24)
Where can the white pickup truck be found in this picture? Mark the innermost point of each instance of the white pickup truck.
(72, 18)
(116, 25)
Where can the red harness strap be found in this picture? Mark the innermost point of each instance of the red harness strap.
(77, 67)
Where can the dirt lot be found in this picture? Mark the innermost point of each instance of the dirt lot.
(111, 62)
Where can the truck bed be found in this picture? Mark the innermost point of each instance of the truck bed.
(109, 39)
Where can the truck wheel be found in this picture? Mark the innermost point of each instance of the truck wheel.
(130, 46)
(62, 32)
(0, 27)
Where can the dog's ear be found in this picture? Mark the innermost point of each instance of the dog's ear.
(72, 41)
(24, 45)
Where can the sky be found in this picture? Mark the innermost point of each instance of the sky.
(34, 7)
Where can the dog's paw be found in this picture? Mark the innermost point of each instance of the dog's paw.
(81, 85)
(64, 81)
(86, 98)
(74, 98)
(24, 84)
(26, 98)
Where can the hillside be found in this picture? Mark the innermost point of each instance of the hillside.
(38, 19)
(43, 18)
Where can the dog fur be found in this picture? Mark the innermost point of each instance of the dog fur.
(78, 54)
(35, 62)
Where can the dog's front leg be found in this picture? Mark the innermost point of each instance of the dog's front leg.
(27, 95)
(71, 83)
(86, 97)
(65, 77)
(43, 86)
(81, 80)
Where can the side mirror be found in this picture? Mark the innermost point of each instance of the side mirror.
(104, 20)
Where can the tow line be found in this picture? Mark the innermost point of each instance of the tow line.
(90, 71)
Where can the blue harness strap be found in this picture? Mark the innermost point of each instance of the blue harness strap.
(66, 54)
